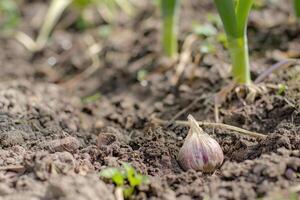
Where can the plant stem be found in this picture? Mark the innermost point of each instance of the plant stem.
(234, 15)
(211, 124)
(238, 48)
(280, 65)
(170, 12)
(54, 12)
(297, 7)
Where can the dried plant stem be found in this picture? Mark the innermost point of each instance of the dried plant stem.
(273, 68)
(212, 124)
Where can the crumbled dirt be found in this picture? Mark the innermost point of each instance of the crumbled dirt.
(56, 135)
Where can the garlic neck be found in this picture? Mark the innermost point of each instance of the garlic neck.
(194, 126)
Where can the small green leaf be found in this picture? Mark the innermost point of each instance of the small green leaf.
(281, 89)
(118, 179)
(126, 178)
(130, 171)
(134, 178)
(137, 180)
(114, 174)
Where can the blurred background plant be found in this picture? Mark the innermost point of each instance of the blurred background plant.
(170, 15)
(96, 19)
(9, 17)
(107, 9)
(85, 16)
(210, 33)
(297, 8)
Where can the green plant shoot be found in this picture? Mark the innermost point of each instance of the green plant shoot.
(297, 8)
(170, 15)
(234, 15)
(125, 178)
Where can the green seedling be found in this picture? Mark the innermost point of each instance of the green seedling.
(297, 7)
(281, 89)
(234, 15)
(125, 178)
(170, 15)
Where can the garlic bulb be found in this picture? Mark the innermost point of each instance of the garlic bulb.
(199, 151)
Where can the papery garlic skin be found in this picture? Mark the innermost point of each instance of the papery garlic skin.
(200, 152)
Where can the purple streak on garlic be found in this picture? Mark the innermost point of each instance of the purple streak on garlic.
(199, 152)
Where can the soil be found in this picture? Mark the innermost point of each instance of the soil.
(56, 134)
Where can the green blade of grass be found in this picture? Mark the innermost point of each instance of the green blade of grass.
(170, 15)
